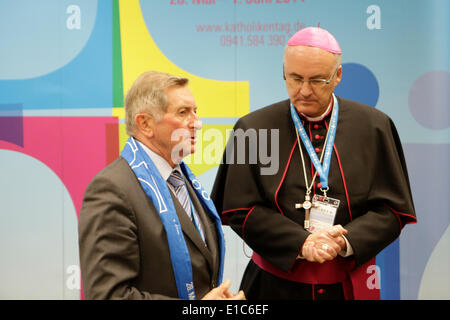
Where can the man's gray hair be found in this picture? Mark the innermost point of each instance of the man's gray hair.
(147, 94)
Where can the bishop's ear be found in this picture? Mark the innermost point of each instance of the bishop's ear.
(145, 123)
(338, 76)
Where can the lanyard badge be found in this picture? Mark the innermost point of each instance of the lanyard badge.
(323, 213)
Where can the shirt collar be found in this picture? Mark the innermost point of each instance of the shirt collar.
(322, 116)
(161, 164)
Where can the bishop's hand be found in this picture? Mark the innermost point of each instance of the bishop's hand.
(324, 245)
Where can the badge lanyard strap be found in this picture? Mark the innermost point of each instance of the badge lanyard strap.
(309, 188)
(331, 133)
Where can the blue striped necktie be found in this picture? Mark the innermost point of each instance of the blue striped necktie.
(177, 182)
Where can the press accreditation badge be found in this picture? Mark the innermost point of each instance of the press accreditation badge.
(322, 213)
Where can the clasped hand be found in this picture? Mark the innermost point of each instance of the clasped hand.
(325, 244)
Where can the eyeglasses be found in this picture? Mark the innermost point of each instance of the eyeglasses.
(314, 83)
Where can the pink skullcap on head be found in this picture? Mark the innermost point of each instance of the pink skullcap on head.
(315, 37)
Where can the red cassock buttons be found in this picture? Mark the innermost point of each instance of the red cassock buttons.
(316, 126)
(318, 150)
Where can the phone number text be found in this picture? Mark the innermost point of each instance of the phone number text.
(253, 40)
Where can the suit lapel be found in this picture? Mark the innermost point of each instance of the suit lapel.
(209, 228)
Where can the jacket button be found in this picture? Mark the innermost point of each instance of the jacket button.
(316, 126)
(318, 150)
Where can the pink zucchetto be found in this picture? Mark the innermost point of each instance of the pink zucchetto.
(315, 37)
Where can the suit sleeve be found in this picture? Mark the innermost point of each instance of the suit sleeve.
(109, 251)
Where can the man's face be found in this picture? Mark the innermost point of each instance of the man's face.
(306, 63)
(175, 133)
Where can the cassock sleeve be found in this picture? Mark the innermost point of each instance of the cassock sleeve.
(389, 203)
(239, 194)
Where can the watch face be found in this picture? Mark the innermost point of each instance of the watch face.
(307, 205)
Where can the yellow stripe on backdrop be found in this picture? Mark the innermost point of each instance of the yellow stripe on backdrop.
(214, 98)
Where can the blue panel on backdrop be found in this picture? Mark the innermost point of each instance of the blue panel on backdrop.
(388, 262)
(358, 83)
(430, 185)
(84, 82)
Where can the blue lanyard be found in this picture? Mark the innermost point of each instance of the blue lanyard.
(322, 169)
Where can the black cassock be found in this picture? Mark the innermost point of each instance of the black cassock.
(367, 174)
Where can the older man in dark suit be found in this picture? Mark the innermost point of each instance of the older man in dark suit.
(147, 229)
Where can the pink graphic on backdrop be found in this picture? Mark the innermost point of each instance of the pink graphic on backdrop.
(75, 148)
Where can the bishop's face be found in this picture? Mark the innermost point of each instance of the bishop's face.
(304, 63)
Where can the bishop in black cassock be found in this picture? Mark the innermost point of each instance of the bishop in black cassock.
(367, 174)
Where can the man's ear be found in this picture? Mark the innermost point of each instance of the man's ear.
(338, 76)
(145, 123)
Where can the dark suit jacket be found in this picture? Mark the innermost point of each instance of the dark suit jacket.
(124, 253)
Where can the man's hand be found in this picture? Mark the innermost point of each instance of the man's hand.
(324, 245)
(222, 293)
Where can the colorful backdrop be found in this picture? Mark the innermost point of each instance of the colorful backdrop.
(65, 66)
